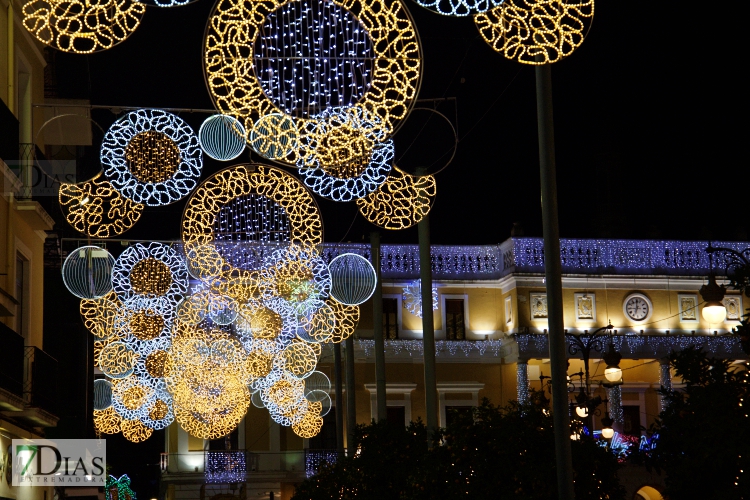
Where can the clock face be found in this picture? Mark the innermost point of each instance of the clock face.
(637, 308)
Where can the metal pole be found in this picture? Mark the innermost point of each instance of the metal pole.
(377, 324)
(351, 402)
(339, 390)
(553, 275)
(428, 322)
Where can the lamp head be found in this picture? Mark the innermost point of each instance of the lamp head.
(607, 430)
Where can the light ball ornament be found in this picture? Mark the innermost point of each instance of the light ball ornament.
(152, 157)
(311, 423)
(346, 317)
(353, 279)
(102, 394)
(107, 421)
(87, 272)
(135, 431)
(117, 360)
(222, 137)
(99, 315)
(536, 31)
(274, 136)
(400, 202)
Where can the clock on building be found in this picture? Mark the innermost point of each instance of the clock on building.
(637, 307)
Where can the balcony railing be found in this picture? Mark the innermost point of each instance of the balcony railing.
(11, 361)
(40, 388)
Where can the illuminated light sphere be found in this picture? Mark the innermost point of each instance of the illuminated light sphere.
(536, 31)
(82, 27)
(87, 272)
(155, 363)
(193, 308)
(613, 373)
(400, 202)
(135, 431)
(99, 315)
(459, 8)
(343, 155)
(107, 421)
(131, 397)
(222, 309)
(412, 298)
(270, 319)
(316, 323)
(347, 318)
(276, 65)
(274, 136)
(299, 360)
(284, 394)
(117, 360)
(582, 412)
(150, 271)
(102, 394)
(142, 322)
(714, 313)
(262, 372)
(95, 208)
(317, 381)
(297, 274)
(321, 397)
(353, 279)
(152, 157)
(310, 424)
(256, 400)
(159, 414)
(222, 137)
(243, 207)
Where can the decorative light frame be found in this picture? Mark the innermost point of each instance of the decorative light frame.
(536, 31)
(95, 208)
(400, 202)
(412, 298)
(160, 192)
(76, 25)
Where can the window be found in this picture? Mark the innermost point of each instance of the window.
(20, 292)
(455, 328)
(390, 318)
(326, 438)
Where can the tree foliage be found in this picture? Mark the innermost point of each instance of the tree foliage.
(493, 453)
(704, 431)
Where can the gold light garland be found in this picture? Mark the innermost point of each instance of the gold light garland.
(82, 26)
(99, 315)
(117, 360)
(311, 423)
(233, 29)
(150, 277)
(158, 410)
(347, 318)
(97, 209)
(401, 202)
(152, 156)
(107, 421)
(135, 431)
(536, 31)
(299, 359)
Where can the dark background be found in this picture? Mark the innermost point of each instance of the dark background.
(649, 117)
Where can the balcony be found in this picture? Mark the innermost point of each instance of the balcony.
(11, 370)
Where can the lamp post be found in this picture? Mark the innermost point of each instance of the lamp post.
(737, 268)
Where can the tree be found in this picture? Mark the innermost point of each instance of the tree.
(701, 437)
(492, 453)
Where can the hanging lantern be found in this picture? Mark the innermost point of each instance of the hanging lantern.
(87, 272)
(222, 137)
(353, 279)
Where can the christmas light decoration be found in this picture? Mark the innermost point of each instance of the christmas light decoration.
(311, 423)
(135, 431)
(283, 395)
(459, 8)
(442, 347)
(145, 324)
(95, 208)
(353, 279)
(299, 360)
(346, 319)
(222, 137)
(99, 315)
(271, 319)
(131, 397)
(297, 274)
(322, 398)
(87, 272)
(400, 202)
(150, 271)
(222, 309)
(274, 136)
(160, 412)
(225, 467)
(412, 298)
(152, 157)
(82, 27)
(316, 322)
(193, 308)
(306, 56)
(317, 381)
(117, 360)
(536, 31)
(315, 459)
(102, 394)
(107, 421)
(118, 488)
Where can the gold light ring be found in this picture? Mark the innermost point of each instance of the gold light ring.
(233, 28)
(536, 31)
(203, 207)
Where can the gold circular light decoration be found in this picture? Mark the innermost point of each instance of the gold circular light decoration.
(82, 26)
(152, 156)
(536, 31)
(347, 318)
(97, 209)
(150, 277)
(99, 315)
(158, 410)
(135, 431)
(155, 364)
(207, 233)
(117, 360)
(299, 359)
(239, 55)
(107, 421)
(401, 202)
(311, 423)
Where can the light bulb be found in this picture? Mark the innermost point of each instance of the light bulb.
(608, 432)
(714, 312)
(613, 373)
(575, 436)
(582, 412)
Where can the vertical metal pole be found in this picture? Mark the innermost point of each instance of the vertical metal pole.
(428, 323)
(339, 391)
(351, 402)
(377, 324)
(553, 275)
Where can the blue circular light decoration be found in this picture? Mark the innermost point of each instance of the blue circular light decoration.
(459, 8)
(222, 137)
(87, 272)
(353, 279)
(102, 394)
(152, 157)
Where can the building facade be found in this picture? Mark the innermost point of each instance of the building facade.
(490, 322)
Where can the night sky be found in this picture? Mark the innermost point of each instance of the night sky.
(646, 128)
